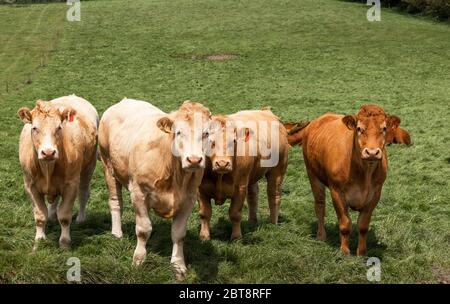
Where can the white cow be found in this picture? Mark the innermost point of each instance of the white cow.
(58, 153)
(160, 159)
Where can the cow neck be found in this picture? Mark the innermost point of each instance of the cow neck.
(219, 198)
(179, 177)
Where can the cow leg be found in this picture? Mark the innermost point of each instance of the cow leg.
(115, 201)
(205, 217)
(143, 225)
(84, 189)
(252, 200)
(64, 213)
(235, 211)
(274, 180)
(318, 190)
(345, 223)
(52, 208)
(363, 223)
(179, 226)
(40, 213)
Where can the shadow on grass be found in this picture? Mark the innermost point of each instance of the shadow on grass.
(221, 231)
(447, 160)
(374, 247)
(96, 223)
(201, 256)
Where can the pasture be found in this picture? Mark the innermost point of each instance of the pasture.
(303, 58)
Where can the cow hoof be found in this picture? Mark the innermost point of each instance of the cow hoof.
(204, 237)
(321, 237)
(345, 251)
(179, 272)
(64, 243)
(117, 234)
(37, 240)
(80, 219)
(361, 252)
(235, 237)
(252, 221)
(139, 257)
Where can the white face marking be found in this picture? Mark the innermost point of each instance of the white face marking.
(188, 143)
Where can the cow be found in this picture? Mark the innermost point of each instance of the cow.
(347, 155)
(233, 173)
(58, 153)
(398, 136)
(160, 159)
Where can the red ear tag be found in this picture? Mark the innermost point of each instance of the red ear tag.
(222, 125)
(70, 117)
(247, 136)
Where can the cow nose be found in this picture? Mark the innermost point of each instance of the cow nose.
(194, 160)
(372, 153)
(48, 153)
(223, 164)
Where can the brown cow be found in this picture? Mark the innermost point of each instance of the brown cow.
(347, 154)
(58, 153)
(237, 162)
(398, 136)
(159, 158)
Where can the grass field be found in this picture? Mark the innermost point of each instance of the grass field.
(303, 58)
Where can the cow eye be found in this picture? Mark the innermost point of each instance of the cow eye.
(384, 129)
(359, 130)
(58, 128)
(178, 133)
(205, 134)
(34, 129)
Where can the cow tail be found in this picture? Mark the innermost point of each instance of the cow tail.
(296, 134)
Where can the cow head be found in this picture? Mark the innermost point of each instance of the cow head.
(372, 127)
(189, 128)
(47, 123)
(223, 138)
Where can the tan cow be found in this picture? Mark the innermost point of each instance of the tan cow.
(347, 154)
(58, 152)
(160, 159)
(240, 157)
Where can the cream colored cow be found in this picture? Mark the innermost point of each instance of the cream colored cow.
(160, 159)
(58, 152)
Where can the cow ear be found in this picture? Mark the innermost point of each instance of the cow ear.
(68, 114)
(349, 121)
(393, 122)
(165, 124)
(25, 115)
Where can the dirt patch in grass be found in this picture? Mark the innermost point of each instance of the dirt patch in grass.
(221, 57)
(442, 274)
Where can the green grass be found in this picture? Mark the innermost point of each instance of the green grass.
(303, 58)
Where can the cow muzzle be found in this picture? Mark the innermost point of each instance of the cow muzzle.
(193, 163)
(48, 154)
(372, 154)
(222, 166)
